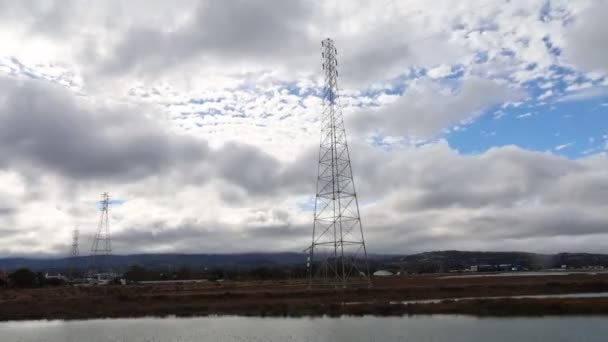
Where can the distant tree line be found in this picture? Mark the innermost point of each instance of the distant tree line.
(140, 273)
(26, 278)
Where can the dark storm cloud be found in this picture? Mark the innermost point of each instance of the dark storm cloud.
(548, 221)
(193, 236)
(235, 30)
(500, 177)
(248, 167)
(301, 173)
(5, 211)
(260, 174)
(44, 126)
(586, 46)
(505, 198)
(374, 55)
(438, 177)
(536, 229)
(125, 37)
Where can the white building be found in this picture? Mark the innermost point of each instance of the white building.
(382, 273)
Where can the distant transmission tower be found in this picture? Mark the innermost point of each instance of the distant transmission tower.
(101, 250)
(73, 269)
(338, 255)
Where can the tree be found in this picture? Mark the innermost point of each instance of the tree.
(23, 277)
(53, 282)
(137, 273)
(184, 273)
(214, 274)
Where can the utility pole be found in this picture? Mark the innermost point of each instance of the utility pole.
(338, 255)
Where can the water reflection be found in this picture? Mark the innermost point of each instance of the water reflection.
(437, 328)
(459, 299)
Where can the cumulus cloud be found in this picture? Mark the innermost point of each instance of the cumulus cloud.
(44, 126)
(586, 45)
(237, 30)
(411, 200)
(59, 150)
(426, 109)
(202, 119)
(436, 197)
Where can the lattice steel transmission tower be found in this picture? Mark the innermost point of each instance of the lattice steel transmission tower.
(101, 249)
(73, 269)
(338, 255)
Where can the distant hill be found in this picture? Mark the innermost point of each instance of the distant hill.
(445, 261)
(438, 261)
(165, 261)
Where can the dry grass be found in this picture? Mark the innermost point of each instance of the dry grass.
(292, 298)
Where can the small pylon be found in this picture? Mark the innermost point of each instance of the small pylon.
(73, 268)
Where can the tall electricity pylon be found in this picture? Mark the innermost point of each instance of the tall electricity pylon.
(338, 255)
(101, 249)
(73, 269)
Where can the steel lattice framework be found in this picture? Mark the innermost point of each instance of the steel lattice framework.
(338, 255)
(73, 268)
(101, 249)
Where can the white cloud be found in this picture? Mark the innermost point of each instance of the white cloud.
(586, 45)
(579, 86)
(563, 146)
(545, 95)
(427, 108)
(203, 116)
(523, 116)
(440, 71)
(585, 94)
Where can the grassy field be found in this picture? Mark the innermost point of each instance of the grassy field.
(292, 298)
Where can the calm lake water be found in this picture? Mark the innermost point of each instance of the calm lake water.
(460, 299)
(436, 328)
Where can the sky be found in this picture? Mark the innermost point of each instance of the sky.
(472, 125)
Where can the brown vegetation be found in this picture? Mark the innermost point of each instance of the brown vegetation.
(292, 298)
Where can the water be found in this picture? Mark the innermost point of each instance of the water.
(523, 274)
(459, 299)
(436, 328)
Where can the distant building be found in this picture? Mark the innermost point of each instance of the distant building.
(57, 276)
(382, 273)
(102, 278)
(482, 268)
(505, 267)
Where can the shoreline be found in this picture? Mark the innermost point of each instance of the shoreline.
(476, 308)
(292, 299)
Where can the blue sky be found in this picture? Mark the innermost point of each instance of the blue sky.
(581, 125)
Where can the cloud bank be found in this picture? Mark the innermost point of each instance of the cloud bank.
(201, 118)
